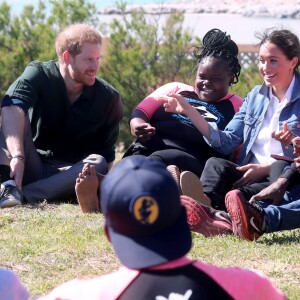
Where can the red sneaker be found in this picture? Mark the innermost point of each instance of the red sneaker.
(206, 220)
(247, 219)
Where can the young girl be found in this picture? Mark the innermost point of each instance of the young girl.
(173, 138)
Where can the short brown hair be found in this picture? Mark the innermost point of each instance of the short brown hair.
(73, 37)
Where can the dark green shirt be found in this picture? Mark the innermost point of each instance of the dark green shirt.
(61, 130)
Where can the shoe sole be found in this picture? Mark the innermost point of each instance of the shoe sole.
(191, 186)
(199, 220)
(235, 205)
(10, 203)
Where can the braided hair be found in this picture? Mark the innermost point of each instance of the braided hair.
(219, 45)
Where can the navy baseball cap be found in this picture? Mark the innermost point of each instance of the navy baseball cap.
(145, 219)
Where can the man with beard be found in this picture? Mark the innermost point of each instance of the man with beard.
(56, 117)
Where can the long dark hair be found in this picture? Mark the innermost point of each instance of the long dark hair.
(284, 39)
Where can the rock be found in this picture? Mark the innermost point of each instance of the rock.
(247, 8)
(248, 13)
(297, 15)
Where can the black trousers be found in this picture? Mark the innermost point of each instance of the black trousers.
(219, 175)
(184, 161)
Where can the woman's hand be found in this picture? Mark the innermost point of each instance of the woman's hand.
(253, 173)
(285, 136)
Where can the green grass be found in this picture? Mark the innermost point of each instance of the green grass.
(50, 244)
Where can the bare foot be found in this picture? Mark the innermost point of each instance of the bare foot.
(86, 188)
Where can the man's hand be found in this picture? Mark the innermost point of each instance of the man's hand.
(144, 132)
(273, 192)
(253, 173)
(13, 128)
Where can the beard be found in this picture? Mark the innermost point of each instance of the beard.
(81, 77)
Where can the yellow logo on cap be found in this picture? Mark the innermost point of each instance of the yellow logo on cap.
(145, 210)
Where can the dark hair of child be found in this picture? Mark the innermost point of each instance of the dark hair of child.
(218, 44)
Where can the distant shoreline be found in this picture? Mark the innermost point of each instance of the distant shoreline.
(240, 28)
(278, 9)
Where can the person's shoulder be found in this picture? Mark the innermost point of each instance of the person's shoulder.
(232, 98)
(101, 83)
(47, 68)
(173, 87)
(11, 286)
(261, 89)
(77, 289)
(107, 286)
(109, 94)
(236, 98)
(232, 279)
(179, 87)
(297, 81)
(42, 64)
(236, 101)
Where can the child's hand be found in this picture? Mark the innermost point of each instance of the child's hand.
(144, 131)
(297, 162)
(174, 103)
(296, 145)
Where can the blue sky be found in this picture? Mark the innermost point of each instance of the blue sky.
(17, 5)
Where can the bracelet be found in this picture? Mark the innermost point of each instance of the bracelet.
(19, 157)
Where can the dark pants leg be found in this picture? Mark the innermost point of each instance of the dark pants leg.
(48, 179)
(219, 174)
(217, 178)
(277, 168)
(253, 189)
(183, 160)
(59, 183)
(275, 171)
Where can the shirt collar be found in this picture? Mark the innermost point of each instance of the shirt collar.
(227, 96)
(182, 261)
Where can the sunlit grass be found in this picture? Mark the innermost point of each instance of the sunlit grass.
(50, 244)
